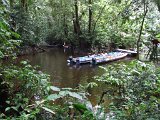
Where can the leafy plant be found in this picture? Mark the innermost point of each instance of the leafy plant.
(135, 87)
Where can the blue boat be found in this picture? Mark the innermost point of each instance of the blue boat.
(109, 57)
(97, 59)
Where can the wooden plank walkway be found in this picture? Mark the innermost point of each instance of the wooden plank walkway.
(126, 51)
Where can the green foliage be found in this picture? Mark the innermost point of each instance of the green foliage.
(157, 3)
(86, 114)
(33, 24)
(110, 22)
(30, 79)
(25, 84)
(27, 93)
(136, 90)
(8, 44)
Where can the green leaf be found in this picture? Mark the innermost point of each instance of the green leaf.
(8, 108)
(40, 102)
(54, 88)
(49, 110)
(53, 97)
(66, 88)
(75, 95)
(80, 107)
(63, 93)
(1, 55)
(8, 102)
(14, 108)
(15, 34)
(158, 36)
(92, 84)
(24, 62)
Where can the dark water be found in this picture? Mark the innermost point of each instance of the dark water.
(54, 63)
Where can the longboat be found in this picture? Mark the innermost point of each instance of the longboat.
(97, 58)
(113, 56)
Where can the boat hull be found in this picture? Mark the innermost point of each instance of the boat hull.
(97, 59)
(108, 59)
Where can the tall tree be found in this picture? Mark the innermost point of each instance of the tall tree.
(90, 16)
(11, 3)
(76, 19)
(145, 7)
(77, 28)
(24, 5)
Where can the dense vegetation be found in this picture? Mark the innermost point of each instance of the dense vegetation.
(82, 23)
(134, 88)
(26, 92)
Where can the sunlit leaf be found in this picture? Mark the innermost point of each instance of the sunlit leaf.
(48, 110)
(54, 88)
(53, 97)
(75, 95)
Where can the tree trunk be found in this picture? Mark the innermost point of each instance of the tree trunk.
(24, 5)
(90, 17)
(11, 3)
(77, 18)
(65, 26)
(141, 29)
(76, 24)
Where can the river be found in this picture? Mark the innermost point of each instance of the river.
(54, 63)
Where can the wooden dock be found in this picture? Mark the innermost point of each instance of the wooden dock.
(127, 51)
